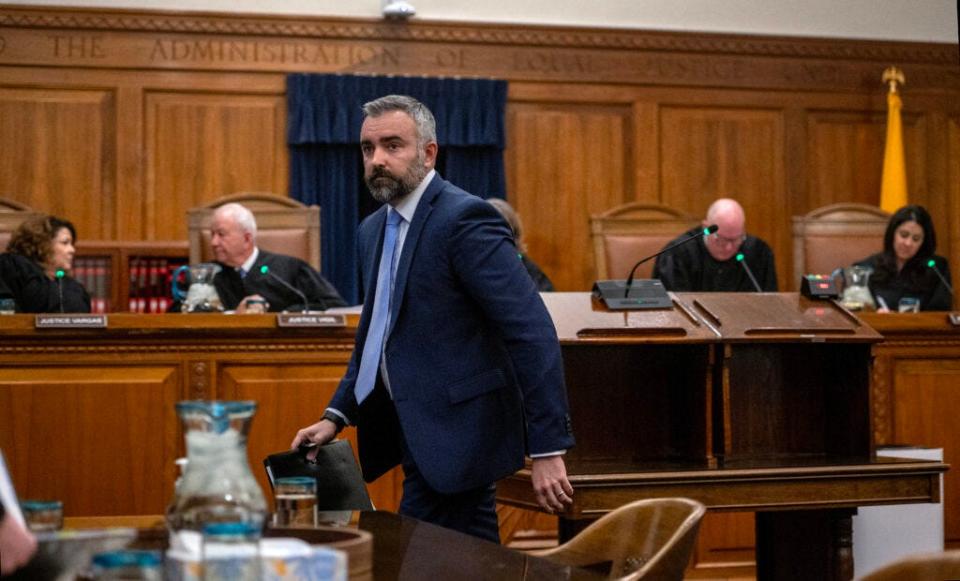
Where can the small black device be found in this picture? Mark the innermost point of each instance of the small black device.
(819, 286)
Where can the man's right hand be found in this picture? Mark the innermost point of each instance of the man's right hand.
(17, 545)
(319, 433)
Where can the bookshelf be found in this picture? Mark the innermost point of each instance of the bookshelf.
(129, 276)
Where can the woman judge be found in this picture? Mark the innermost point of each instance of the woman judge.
(902, 270)
(34, 270)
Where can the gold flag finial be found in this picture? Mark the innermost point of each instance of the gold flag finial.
(894, 76)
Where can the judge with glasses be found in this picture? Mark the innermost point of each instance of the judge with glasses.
(720, 262)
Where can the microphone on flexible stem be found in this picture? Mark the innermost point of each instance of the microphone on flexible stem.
(265, 270)
(746, 267)
(650, 293)
(933, 266)
(706, 232)
(60, 274)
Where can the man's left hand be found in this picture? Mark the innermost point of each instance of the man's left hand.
(550, 485)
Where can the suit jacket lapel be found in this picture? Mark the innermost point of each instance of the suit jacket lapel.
(424, 208)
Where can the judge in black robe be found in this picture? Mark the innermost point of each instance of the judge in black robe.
(710, 264)
(319, 293)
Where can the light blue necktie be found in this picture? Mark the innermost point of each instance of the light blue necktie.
(373, 347)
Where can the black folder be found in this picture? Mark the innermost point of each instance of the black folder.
(340, 485)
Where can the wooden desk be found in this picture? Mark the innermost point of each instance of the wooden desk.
(405, 548)
(744, 402)
(916, 393)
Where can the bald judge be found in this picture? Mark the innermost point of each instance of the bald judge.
(711, 264)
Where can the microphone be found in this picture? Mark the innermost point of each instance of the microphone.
(746, 267)
(933, 266)
(60, 274)
(265, 270)
(706, 232)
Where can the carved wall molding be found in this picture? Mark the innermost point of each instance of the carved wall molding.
(435, 31)
(346, 348)
(880, 400)
(423, 47)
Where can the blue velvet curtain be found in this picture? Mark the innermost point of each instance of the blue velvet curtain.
(323, 132)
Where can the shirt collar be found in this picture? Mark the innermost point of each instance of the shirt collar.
(408, 205)
(250, 261)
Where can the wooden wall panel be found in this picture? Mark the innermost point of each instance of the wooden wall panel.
(201, 147)
(103, 434)
(555, 188)
(58, 152)
(926, 393)
(289, 397)
(845, 154)
(726, 539)
(707, 153)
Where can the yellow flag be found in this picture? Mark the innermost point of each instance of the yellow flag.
(893, 190)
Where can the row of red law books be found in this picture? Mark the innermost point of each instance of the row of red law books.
(94, 274)
(150, 284)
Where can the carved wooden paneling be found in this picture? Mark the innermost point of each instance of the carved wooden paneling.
(58, 152)
(201, 147)
(927, 403)
(564, 164)
(100, 439)
(290, 396)
(725, 542)
(845, 154)
(708, 152)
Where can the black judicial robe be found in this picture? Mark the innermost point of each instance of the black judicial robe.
(320, 293)
(34, 292)
(914, 280)
(691, 268)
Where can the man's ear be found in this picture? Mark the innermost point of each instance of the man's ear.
(430, 154)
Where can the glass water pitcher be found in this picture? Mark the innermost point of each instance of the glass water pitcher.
(201, 295)
(856, 289)
(217, 485)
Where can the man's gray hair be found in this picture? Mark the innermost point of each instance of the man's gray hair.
(241, 215)
(421, 115)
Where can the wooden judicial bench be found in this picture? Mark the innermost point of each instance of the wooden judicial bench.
(87, 415)
(743, 402)
(762, 403)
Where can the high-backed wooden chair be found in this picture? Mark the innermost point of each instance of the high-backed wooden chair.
(12, 214)
(920, 567)
(284, 226)
(625, 234)
(836, 236)
(645, 539)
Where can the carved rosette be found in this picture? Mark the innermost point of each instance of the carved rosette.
(199, 380)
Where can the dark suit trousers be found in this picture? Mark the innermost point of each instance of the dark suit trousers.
(472, 512)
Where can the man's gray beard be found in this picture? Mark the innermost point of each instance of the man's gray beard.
(399, 187)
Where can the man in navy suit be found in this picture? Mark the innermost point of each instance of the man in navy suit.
(456, 373)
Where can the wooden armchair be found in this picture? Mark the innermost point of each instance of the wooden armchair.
(836, 236)
(12, 214)
(625, 234)
(284, 225)
(945, 565)
(645, 539)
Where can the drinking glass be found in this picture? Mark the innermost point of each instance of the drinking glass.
(42, 515)
(909, 305)
(231, 552)
(296, 500)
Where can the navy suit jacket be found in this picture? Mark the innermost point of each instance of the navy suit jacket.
(472, 354)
